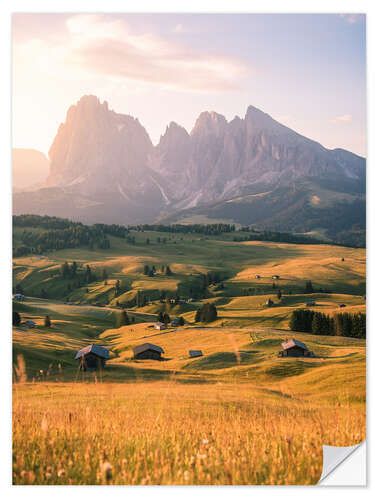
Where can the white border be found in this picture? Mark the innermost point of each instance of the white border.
(275, 6)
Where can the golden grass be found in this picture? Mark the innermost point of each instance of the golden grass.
(168, 433)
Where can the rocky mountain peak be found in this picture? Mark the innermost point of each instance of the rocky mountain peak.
(209, 123)
(105, 156)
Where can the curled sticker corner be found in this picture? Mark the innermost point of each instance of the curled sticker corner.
(333, 456)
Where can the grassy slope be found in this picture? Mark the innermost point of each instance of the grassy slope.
(190, 256)
(180, 410)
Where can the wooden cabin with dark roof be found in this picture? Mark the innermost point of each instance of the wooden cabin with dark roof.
(295, 349)
(92, 357)
(148, 351)
(195, 354)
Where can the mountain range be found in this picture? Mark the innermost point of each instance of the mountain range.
(252, 170)
(30, 169)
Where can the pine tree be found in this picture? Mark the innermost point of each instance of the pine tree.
(146, 270)
(166, 319)
(88, 274)
(65, 270)
(181, 321)
(208, 313)
(161, 317)
(279, 294)
(16, 319)
(47, 321)
(197, 316)
(117, 288)
(122, 319)
(309, 288)
(317, 323)
(338, 326)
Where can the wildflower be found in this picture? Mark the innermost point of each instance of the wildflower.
(61, 472)
(48, 473)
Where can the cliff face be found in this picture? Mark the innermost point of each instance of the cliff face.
(97, 150)
(105, 159)
(222, 160)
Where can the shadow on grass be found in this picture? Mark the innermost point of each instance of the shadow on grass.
(220, 360)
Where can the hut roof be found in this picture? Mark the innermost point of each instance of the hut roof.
(147, 347)
(195, 354)
(293, 343)
(94, 349)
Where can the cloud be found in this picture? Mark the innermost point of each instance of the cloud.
(351, 18)
(102, 47)
(342, 119)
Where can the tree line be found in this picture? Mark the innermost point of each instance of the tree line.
(276, 236)
(57, 234)
(208, 229)
(341, 324)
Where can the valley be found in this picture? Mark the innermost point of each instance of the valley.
(239, 381)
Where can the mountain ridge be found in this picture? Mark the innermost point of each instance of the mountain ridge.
(106, 159)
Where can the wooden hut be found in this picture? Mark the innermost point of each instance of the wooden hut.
(29, 323)
(159, 325)
(148, 351)
(92, 357)
(195, 354)
(295, 348)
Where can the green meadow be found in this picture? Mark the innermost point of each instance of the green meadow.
(236, 415)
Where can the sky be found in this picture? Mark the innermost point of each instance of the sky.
(307, 71)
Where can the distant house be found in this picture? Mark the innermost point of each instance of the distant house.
(294, 348)
(18, 296)
(269, 303)
(148, 351)
(310, 304)
(257, 276)
(92, 357)
(159, 325)
(174, 322)
(275, 277)
(342, 305)
(29, 323)
(195, 354)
